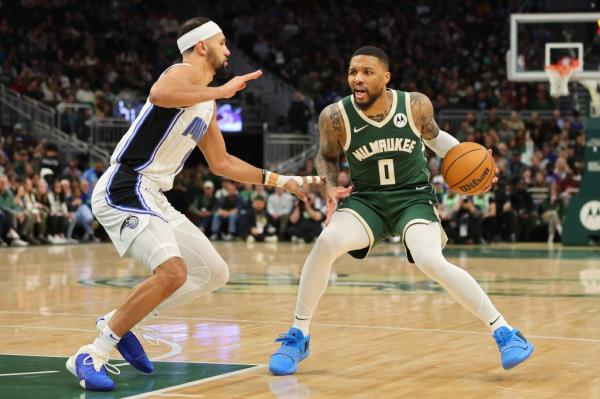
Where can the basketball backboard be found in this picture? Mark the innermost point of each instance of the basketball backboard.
(537, 40)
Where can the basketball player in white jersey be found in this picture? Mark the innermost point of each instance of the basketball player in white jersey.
(128, 199)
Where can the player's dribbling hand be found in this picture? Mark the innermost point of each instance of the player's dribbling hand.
(333, 195)
(494, 179)
(239, 83)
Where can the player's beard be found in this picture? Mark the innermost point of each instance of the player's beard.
(371, 98)
(221, 70)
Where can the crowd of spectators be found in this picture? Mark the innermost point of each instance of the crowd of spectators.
(541, 164)
(97, 53)
(226, 210)
(89, 54)
(46, 200)
(540, 161)
(103, 56)
(309, 44)
(43, 200)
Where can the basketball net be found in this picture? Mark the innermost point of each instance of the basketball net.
(559, 75)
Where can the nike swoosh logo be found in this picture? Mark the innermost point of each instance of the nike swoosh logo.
(358, 130)
(421, 188)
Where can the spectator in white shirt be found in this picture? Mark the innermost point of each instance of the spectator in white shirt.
(279, 206)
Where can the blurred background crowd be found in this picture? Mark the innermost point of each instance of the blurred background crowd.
(105, 55)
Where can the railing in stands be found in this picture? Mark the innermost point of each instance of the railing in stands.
(106, 132)
(287, 152)
(71, 117)
(40, 119)
(280, 147)
(274, 93)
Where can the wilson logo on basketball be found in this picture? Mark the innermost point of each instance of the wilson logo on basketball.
(475, 182)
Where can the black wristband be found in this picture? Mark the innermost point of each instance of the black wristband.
(264, 176)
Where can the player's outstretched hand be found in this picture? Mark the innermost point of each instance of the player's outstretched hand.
(333, 195)
(494, 179)
(295, 183)
(239, 83)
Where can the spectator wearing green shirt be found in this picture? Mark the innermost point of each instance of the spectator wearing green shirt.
(11, 215)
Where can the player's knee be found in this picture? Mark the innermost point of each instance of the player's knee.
(325, 241)
(427, 261)
(172, 273)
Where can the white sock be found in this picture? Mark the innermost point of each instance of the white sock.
(302, 323)
(103, 321)
(498, 322)
(106, 340)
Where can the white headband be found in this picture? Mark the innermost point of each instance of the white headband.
(202, 32)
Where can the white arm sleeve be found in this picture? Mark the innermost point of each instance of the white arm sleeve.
(442, 143)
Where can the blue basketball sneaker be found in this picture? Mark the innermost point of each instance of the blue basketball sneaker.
(294, 348)
(90, 367)
(129, 347)
(514, 347)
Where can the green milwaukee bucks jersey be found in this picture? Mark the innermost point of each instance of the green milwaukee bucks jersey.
(387, 155)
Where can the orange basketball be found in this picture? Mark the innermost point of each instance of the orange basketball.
(468, 168)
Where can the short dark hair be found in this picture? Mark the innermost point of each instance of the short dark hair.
(189, 25)
(374, 52)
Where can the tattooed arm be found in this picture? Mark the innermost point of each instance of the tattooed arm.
(422, 112)
(332, 134)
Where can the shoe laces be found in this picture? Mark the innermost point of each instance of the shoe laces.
(503, 335)
(97, 360)
(288, 339)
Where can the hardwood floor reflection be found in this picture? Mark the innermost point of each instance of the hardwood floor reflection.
(382, 330)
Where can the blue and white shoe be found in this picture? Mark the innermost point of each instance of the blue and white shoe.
(129, 347)
(294, 348)
(91, 367)
(514, 347)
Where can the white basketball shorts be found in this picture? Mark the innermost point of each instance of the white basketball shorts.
(127, 204)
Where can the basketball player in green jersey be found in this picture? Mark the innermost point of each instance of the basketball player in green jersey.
(383, 133)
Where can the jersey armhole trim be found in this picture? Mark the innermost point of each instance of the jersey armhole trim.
(346, 125)
(411, 122)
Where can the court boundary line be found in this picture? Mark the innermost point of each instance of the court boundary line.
(197, 382)
(29, 373)
(160, 360)
(333, 325)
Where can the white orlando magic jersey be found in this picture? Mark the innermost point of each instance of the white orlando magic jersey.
(160, 140)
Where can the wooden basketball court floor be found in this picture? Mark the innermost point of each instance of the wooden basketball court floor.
(381, 331)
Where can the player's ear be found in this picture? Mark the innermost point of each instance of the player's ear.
(387, 76)
(201, 47)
